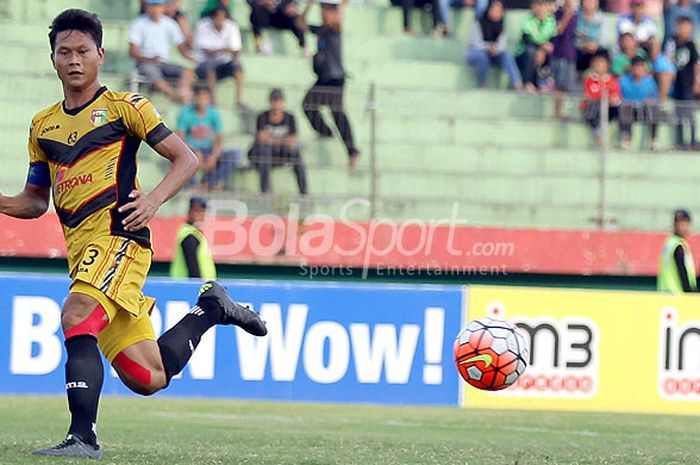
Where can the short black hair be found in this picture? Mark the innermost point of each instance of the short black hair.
(602, 54)
(637, 60)
(684, 19)
(218, 8)
(201, 88)
(76, 20)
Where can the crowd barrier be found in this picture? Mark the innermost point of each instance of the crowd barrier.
(392, 344)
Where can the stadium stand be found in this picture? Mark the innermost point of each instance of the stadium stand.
(429, 138)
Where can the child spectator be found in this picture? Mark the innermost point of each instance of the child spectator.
(200, 126)
(599, 85)
(591, 34)
(487, 46)
(663, 68)
(674, 11)
(150, 38)
(277, 14)
(535, 46)
(640, 102)
(217, 48)
(276, 144)
(685, 57)
(563, 61)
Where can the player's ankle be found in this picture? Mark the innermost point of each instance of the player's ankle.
(212, 309)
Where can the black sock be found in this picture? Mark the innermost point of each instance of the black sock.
(84, 377)
(178, 343)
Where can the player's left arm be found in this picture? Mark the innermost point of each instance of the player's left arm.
(145, 122)
(145, 206)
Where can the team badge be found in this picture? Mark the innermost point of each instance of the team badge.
(98, 116)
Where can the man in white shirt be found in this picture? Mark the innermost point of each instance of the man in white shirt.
(217, 48)
(150, 38)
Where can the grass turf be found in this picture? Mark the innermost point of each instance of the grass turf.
(157, 431)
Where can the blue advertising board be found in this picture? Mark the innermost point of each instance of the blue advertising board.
(327, 342)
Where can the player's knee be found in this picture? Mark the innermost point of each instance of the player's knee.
(158, 382)
(145, 381)
(82, 316)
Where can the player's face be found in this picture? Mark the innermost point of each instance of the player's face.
(77, 59)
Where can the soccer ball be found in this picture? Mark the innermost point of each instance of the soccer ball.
(491, 354)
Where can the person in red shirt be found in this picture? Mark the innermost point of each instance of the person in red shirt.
(597, 85)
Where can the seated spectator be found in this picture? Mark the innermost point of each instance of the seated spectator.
(538, 29)
(591, 34)
(440, 10)
(217, 48)
(211, 4)
(563, 60)
(150, 38)
(640, 102)
(685, 57)
(487, 45)
(200, 126)
(172, 10)
(662, 67)
(674, 11)
(598, 85)
(278, 14)
(277, 144)
(641, 26)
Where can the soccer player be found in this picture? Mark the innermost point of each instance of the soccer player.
(83, 151)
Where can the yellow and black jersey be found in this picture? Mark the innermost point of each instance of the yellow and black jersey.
(87, 156)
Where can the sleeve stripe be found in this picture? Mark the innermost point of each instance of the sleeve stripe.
(157, 135)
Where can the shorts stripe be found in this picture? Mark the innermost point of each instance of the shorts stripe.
(110, 274)
(104, 263)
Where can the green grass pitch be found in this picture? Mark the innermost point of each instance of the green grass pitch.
(167, 431)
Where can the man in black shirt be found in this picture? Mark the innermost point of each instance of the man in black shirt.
(686, 60)
(328, 66)
(277, 143)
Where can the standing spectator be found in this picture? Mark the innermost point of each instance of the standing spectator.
(640, 102)
(674, 11)
(329, 86)
(278, 14)
(487, 45)
(597, 85)
(685, 57)
(217, 48)
(150, 38)
(676, 265)
(538, 29)
(277, 144)
(591, 34)
(192, 257)
(563, 61)
(172, 10)
(200, 126)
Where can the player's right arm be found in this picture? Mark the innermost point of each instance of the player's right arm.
(33, 201)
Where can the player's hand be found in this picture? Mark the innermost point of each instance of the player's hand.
(144, 208)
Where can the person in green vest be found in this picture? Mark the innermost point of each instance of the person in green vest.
(192, 257)
(676, 265)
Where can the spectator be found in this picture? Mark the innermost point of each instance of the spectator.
(330, 82)
(534, 49)
(663, 69)
(200, 126)
(685, 57)
(642, 27)
(640, 102)
(676, 265)
(591, 34)
(278, 14)
(563, 61)
(407, 7)
(277, 144)
(211, 4)
(172, 10)
(487, 45)
(192, 257)
(217, 48)
(597, 86)
(150, 38)
(674, 11)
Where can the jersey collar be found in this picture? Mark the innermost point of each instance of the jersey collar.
(76, 110)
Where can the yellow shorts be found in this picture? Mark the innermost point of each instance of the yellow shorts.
(113, 270)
